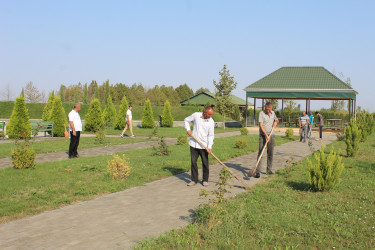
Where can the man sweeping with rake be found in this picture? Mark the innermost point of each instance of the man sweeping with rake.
(267, 121)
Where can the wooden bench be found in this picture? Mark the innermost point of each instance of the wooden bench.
(42, 126)
(2, 129)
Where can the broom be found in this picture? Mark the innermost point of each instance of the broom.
(225, 166)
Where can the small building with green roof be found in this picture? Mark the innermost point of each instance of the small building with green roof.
(204, 98)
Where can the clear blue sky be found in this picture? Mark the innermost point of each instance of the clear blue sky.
(175, 42)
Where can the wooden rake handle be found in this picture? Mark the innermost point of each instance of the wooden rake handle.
(225, 166)
(260, 157)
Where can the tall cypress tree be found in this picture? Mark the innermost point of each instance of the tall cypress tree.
(62, 93)
(94, 118)
(47, 111)
(148, 116)
(58, 117)
(167, 119)
(19, 125)
(121, 118)
(352, 138)
(109, 113)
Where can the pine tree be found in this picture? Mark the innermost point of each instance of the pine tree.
(109, 113)
(58, 117)
(148, 116)
(352, 138)
(85, 94)
(223, 91)
(121, 118)
(62, 93)
(94, 118)
(47, 111)
(167, 119)
(19, 125)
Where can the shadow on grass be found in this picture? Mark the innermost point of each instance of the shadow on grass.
(300, 186)
(174, 171)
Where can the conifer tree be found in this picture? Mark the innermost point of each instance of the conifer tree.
(58, 117)
(62, 93)
(148, 116)
(352, 138)
(85, 94)
(121, 117)
(19, 125)
(47, 111)
(109, 113)
(94, 118)
(167, 119)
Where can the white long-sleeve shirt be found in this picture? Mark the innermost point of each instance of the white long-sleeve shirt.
(203, 130)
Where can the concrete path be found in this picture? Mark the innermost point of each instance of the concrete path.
(120, 220)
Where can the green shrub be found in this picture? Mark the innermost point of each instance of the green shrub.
(370, 122)
(362, 125)
(58, 117)
(121, 118)
(100, 136)
(182, 139)
(118, 167)
(241, 143)
(166, 118)
(148, 116)
(154, 132)
(23, 156)
(94, 118)
(289, 133)
(47, 110)
(19, 120)
(324, 173)
(352, 138)
(236, 114)
(109, 113)
(162, 148)
(244, 131)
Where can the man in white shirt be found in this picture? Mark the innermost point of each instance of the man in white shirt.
(75, 125)
(203, 130)
(129, 119)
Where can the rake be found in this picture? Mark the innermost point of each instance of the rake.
(251, 173)
(225, 166)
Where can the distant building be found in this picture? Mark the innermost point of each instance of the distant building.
(205, 98)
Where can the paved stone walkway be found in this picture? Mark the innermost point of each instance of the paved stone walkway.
(120, 220)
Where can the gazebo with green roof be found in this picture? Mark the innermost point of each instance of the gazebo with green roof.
(301, 83)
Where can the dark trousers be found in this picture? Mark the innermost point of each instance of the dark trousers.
(270, 146)
(320, 131)
(74, 142)
(195, 153)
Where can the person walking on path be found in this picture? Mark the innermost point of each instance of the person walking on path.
(129, 125)
(75, 127)
(303, 124)
(267, 121)
(203, 130)
(320, 121)
(311, 123)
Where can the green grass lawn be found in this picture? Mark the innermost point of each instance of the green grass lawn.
(62, 144)
(49, 185)
(162, 131)
(282, 213)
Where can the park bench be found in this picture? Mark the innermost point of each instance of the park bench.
(2, 129)
(42, 126)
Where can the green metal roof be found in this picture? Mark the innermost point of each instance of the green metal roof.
(301, 82)
(204, 97)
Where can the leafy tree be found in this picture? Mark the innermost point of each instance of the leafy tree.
(352, 138)
(85, 94)
(58, 117)
(94, 118)
(118, 91)
(47, 111)
(109, 113)
(107, 92)
(236, 113)
(224, 88)
(275, 103)
(32, 94)
(121, 118)
(156, 96)
(62, 92)
(96, 95)
(201, 90)
(91, 90)
(167, 119)
(184, 92)
(170, 95)
(290, 106)
(138, 94)
(19, 125)
(148, 116)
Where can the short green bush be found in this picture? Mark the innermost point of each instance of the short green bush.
(100, 136)
(59, 118)
(118, 167)
(109, 113)
(352, 138)
(47, 110)
(148, 116)
(162, 148)
(289, 133)
(23, 156)
(241, 143)
(244, 131)
(182, 139)
(324, 173)
(94, 120)
(121, 118)
(19, 120)
(166, 118)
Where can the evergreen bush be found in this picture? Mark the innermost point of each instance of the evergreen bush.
(94, 118)
(19, 120)
(23, 156)
(121, 118)
(100, 136)
(371, 123)
(324, 173)
(244, 131)
(363, 125)
(148, 116)
(182, 139)
(236, 114)
(166, 118)
(109, 113)
(47, 111)
(118, 167)
(352, 138)
(241, 143)
(289, 133)
(162, 148)
(58, 117)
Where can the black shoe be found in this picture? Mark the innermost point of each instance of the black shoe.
(269, 172)
(257, 175)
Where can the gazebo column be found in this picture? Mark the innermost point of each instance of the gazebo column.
(349, 107)
(282, 111)
(255, 104)
(263, 104)
(246, 112)
(307, 103)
